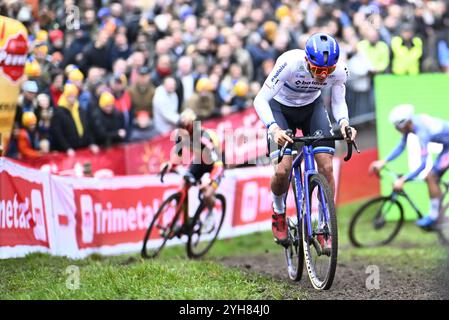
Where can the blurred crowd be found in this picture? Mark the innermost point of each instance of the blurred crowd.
(104, 72)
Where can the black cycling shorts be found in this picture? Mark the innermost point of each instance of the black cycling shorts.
(310, 119)
(199, 169)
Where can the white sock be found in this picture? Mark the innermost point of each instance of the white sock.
(278, 203)
(434, 208)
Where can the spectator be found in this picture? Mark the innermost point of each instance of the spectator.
(56, 87)
(121, 48)
(56, 41)
(359, 94)
(76, 77)
(185, 75)
(240, 99)
(375, 50)
(259, 50)
(202, 102)
(98, 53)
(142, 93)
(108, 123)
(27, 101)
(241, 55)
(44, 112)
(407, 52)
(28, 139)
(163, 69)
(69, 129)
(165, 106)
(123, 102)
(73, 54)
(229, 81)
(143, 128)
(136, 60)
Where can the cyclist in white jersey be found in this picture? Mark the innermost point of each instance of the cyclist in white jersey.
(290, 98)
(427, 129)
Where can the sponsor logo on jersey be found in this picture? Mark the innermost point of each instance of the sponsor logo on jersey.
(278, 72)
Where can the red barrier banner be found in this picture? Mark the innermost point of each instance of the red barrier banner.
(242, 135)
(111, 217)
(107, 162)
(24, 210)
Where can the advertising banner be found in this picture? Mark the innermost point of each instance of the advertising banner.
(13, 55)
(26, 223)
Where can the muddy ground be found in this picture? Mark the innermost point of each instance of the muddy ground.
(350, 279)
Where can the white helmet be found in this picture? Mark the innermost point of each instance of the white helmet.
(401, 114)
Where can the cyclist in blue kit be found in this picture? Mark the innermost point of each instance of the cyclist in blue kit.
(290, 98)
(427, 129)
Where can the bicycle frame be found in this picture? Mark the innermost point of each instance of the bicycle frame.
(395, 195)
(307, 155)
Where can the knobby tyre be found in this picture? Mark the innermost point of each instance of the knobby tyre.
(321, 261)
(376, 223)
(203, 233)
(161, 226)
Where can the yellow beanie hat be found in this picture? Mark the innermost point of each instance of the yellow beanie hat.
(106, 99)
(282, 11)
(76, 75)
(33, 69)
(70, 89)
(203, 84)
(241, 88)
(28, 119)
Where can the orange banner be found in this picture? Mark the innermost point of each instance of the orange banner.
(13, 55)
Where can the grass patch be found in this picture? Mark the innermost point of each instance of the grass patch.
(173, 276)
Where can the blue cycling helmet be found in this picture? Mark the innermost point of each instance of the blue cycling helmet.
(322, 50)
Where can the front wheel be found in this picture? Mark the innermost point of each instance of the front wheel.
(320, 234)
(205, 226)
(376, 223)
(294, 252)
(161, 227)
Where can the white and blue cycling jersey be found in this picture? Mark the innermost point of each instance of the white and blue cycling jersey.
(292, 85)
(427, 129)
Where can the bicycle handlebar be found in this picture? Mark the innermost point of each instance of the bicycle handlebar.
(187, 178)
(163, 172)
(309, 140)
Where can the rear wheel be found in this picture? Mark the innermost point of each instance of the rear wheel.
(294, 254)
(321, 245)
(205, 226)
(443, 223)
(161, 227)
(376, 223)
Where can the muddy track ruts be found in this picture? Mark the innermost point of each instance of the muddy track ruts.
(350, 279)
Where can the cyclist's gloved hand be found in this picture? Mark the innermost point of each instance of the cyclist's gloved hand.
(279, 136)
(376, 166)
(345, 124)
(399, 184)
(188, 177)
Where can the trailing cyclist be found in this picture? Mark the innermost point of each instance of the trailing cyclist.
(427, 129)
(291, 98)
(206, 154)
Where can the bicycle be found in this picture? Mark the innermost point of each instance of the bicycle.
(172, 220)
(379, 220)
(309, 233)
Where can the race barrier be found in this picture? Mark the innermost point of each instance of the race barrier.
(76, 217)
